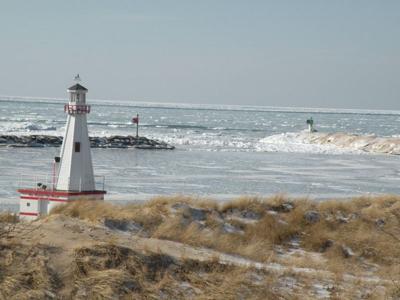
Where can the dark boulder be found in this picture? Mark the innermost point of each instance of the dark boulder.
(312, 217)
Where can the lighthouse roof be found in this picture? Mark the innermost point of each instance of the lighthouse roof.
(77, 87)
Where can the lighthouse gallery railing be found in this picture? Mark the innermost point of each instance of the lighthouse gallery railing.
(48, 182)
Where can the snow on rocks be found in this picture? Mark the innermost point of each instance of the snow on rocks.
(346, 251)
(189, 212)
(123, 225)
(325, 142)
(245, 216)
(229, 228)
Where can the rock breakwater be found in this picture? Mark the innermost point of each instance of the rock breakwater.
(365, 143)
(116, 141)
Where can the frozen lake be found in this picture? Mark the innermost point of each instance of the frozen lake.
(133, 174)
(220, 151)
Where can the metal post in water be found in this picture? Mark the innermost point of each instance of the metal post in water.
(310, 123)
(135, 120)
(137, 125)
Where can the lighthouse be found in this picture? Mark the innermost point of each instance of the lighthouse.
(73, 177)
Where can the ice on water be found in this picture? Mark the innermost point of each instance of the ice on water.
(221, 150)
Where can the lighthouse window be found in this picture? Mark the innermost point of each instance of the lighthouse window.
(28, 204)
(77, 147)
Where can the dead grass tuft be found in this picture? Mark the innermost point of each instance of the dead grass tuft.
(25, 273)
(7, 217)
(109, 271)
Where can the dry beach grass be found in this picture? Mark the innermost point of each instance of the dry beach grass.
(181, 247)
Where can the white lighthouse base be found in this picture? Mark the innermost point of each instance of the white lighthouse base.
(35, 203)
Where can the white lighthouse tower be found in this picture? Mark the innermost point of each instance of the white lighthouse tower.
(73, 176)
(75, 172)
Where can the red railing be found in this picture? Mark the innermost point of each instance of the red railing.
(77, 108)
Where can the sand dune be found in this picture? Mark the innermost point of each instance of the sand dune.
(180, 248)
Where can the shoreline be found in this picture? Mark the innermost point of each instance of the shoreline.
(141, 199)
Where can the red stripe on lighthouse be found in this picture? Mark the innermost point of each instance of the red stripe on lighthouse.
(41, 198)
(28, 214)
(58, 193)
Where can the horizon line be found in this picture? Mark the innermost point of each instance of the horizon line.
(239, 107)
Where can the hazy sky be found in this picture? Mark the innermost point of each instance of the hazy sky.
(343, 54)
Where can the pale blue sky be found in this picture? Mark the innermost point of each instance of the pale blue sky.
(343, 54)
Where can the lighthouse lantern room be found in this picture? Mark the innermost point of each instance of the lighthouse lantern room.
(72, 177)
